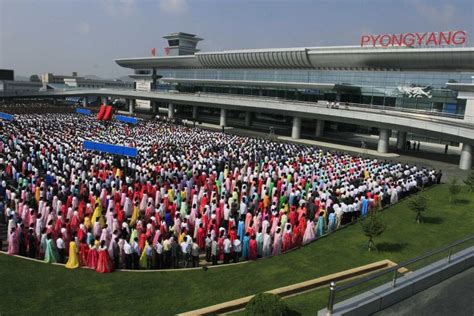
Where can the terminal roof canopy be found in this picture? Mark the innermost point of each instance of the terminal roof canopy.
(344, 57)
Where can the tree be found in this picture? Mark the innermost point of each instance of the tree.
(34, 78)
(266, 304)
(454, 189)
(470, 181)
(419, 204)
(372, 227)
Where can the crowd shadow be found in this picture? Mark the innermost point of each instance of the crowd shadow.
(391, 246)
(433, 220)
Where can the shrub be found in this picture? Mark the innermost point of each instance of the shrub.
(470, 181)
(266, 304)
(419, 204)
(372, 227)
(454, 189)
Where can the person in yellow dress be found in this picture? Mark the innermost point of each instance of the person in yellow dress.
(143, 257)
(37, 194)
(73, 261)
(135, 214)
(98, 214)
(87, 222)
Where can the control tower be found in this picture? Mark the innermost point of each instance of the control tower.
(181, 44)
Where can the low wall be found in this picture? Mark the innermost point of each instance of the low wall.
(385, 295)
(240, 303)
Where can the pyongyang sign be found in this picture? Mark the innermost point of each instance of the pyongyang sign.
(455, 38)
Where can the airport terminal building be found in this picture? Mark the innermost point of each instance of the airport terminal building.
(405, 77)
(429, 74)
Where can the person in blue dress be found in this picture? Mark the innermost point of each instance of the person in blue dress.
(331, 221)
(320, 225)
(241, 228)
(245, 247)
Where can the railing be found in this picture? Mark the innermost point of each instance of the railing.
(456, 120)
(334, 289)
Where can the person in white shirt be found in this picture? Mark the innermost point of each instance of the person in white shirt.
(127, 249)
(227, 249)
(195, 253)
(159, 254)
(237, 249)
(61, 249)
(208, 242)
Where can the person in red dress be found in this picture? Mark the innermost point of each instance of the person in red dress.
(92, 256)
(253, 248)
(104, 264)
(200, 237)
(83, 252)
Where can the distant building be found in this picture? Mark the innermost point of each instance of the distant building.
(52, 81)
(7, 74)
(80, 82)
(10, 86)
(49, 78)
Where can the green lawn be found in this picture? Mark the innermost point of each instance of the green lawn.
(33, 288)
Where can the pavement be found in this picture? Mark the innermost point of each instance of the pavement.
(454, 296)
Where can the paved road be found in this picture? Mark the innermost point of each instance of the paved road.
(454, 296)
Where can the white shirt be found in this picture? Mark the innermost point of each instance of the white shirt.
(227, 245)
(159, 248)
(127, 249)
(237, 245)
(60, 243)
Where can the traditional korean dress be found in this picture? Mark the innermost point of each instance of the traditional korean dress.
(50, 255)
(73, 260)
(104, 264)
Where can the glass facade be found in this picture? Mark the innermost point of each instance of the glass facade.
(386, 87)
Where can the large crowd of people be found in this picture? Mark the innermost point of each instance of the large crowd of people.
(190, 196)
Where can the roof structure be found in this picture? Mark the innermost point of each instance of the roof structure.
(344, 57)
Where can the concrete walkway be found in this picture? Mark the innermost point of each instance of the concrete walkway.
(338, 147)
(453, 296)
(303, 141)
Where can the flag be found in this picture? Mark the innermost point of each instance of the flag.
(153, 51)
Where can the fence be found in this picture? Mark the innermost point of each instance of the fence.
(384, 275)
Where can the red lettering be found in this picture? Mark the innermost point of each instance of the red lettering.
(364, 39)
(432, 38)
(420, 38)
(385, 40)
(443, 38)
(409, 39)
(415, 39)
(397, 39)
(459, 38)
(374, 39)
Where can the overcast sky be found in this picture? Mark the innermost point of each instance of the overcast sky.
(86, 36)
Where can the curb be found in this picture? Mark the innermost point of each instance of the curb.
(293, 289)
